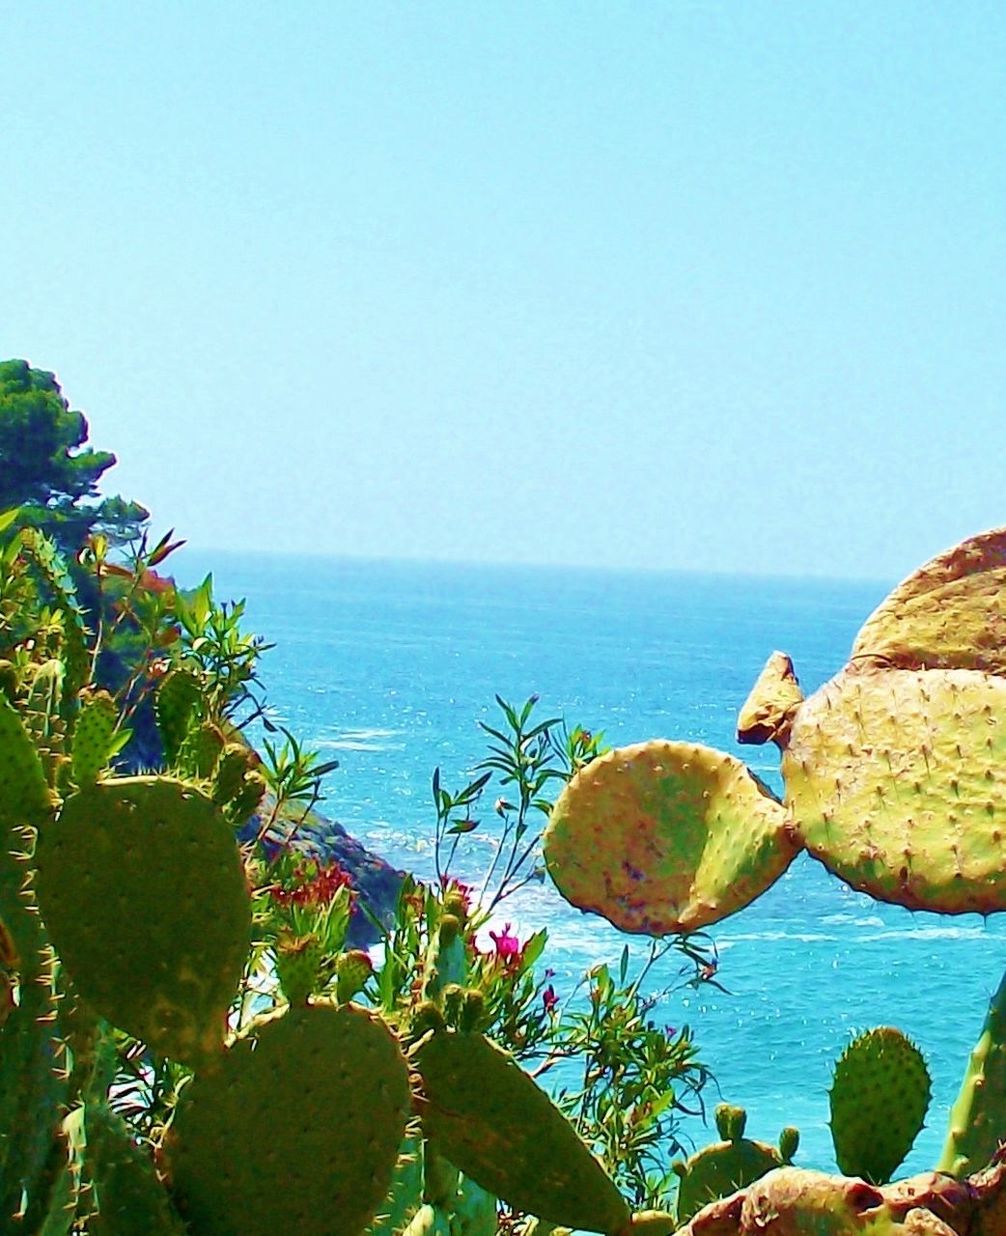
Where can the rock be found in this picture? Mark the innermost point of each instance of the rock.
(374, 879)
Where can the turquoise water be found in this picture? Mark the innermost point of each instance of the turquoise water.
(388, 667)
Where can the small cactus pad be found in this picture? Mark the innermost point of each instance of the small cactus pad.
(24, 794)
(666, 836)
(141, 886)
(724, 1167)
(487, 1116)
(879, 1096)
(178, 705)
(298, 1130)
(896, 780)
(767, 713)
(93, 737)
(949, 614)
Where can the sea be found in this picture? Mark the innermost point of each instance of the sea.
(389, 666)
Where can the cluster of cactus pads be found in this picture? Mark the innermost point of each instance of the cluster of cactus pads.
(126, 914)
(895, 779)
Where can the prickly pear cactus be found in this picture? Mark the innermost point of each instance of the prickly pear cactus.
(725, 1166)
(666, 836)
(405, 1196)
(297, 1130)
(127, 1198)
(179, 707)
(879, 1097)
(793, 1201)
(978, 1118)
(446, 961)
(949, 614)
(768, 711)
(32, 1058)
(896, 782)
(486, 1115)
(93, 737)
(141, 887)
(238, 786)
(24, 793)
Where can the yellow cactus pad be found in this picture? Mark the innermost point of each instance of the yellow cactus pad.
(767, 713)
(949, 614)
(896, 780)
(666, 836)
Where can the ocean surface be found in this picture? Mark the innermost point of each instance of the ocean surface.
(388, 667)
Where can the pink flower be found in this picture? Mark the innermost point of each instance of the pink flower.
(549, 999)
(509, 949)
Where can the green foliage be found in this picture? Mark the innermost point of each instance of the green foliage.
(635, 1076)
(45, 467)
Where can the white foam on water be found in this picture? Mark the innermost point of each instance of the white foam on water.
(935, 932)
(364, 739)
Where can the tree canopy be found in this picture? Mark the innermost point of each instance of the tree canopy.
(45, 467)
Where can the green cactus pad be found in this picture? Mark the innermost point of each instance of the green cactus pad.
(238, 786)
(666, 836)
(896, 780)
(405, 1195)
(129, 1199)
(32, 1057)
(142, 889)
(487, 1116)
(178, 705)
(977, 1124)
(298, 1129)
(949, 614)
(24, 794)
(879, 1096)
(93, 737)
(724, 1167)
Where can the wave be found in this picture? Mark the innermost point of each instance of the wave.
(364, 739)
(927, 933)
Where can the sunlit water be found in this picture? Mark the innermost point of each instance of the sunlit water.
(388, 667)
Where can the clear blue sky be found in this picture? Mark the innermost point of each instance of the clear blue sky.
(700, 285)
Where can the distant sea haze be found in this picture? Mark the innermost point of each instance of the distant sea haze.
(389, 666)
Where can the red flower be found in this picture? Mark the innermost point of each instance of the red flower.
(449, 885)
(316, 884)
(549, 999)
